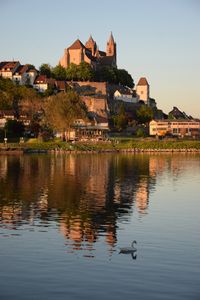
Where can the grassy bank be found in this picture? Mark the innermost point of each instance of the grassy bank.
(112, 145)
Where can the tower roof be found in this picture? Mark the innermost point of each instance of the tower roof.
(77, 45)
(111, 38)
(143, 81)
(90, 40)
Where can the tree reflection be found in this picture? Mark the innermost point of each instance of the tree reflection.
(87, 195)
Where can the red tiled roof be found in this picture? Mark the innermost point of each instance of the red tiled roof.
(8, 64)
(21, 69)
(41, 79)
(77, 45)
(142, 81)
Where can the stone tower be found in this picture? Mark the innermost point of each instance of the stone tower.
(91, 45)
(142, 90)
(111, 49)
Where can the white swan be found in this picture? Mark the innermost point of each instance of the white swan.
(127, 250)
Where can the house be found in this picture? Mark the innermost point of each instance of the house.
(126, 96)
(176, 128)
(8, 68)
(6, 115)
(20, 74)
(32, 74)
(42, 83)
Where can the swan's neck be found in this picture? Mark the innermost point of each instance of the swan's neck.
(134, 242)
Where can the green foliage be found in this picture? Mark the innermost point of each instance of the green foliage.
(72, 72)
(140, 132)
(85, 72)
(59, 73)
(62, 109)
(114, 75)
(120, 121)
(82, 72)
(144, 114)
(45, 69)
(171, 116)
(124, 78)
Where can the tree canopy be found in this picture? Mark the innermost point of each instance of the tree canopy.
(59, 73)
(114, 75)
(62, 109)
(144, 114)
(45, 69)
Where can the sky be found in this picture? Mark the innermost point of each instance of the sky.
(156, 39)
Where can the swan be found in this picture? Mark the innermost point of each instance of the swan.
(127, 250)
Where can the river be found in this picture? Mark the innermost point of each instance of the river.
(63, 219)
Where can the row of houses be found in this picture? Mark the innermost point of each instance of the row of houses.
(28, 75)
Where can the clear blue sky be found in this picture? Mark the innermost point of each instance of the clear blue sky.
(158, 39)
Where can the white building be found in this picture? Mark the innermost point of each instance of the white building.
(20, 74)
(125, 96)
(8, 68)
(178, 128)
(143, 90)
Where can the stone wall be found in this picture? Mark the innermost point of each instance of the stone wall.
(96, 105)
(84, 87)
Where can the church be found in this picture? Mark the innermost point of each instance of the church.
(90, 53)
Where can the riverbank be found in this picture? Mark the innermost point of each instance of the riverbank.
(116, 145)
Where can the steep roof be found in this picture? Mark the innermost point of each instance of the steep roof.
(77, 45)
(111, 39)
(21, 69)
(142, 81)
(9, 64)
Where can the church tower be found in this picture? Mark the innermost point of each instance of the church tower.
(111, 49)
(91, 45)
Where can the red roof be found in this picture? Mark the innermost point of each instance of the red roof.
(21, 69)
(9, 64)
(77, 45)
(142, 81)
(41, 79)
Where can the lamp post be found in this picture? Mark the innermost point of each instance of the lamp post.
(5, 137)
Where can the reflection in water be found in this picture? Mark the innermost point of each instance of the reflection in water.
(87, 195)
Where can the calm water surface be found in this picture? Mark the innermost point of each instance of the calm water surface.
(64, 218)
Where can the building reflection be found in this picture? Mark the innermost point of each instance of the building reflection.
(87, 195)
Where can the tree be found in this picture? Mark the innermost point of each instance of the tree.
(121, 121)
(45, 69)
(14, 128)
(59, 73)
(72, 72)
(144, 114)
(85, 72)
(63, 109)
(124, 78)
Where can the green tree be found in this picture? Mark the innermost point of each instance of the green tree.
(124, 78)
(144, 114)
(85, 72)
(63, 109)
(59, 73)
(72, 72)
(45, 69)
(121, 121)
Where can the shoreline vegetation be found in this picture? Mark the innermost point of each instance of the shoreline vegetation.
(121, 145)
